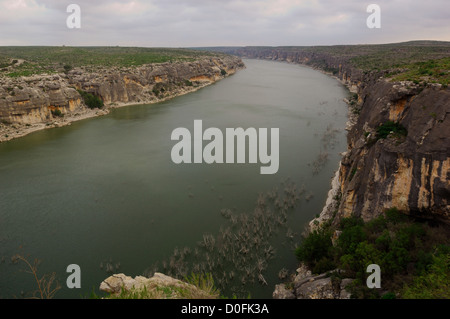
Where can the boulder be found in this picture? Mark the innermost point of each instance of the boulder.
(281, 292)
(159, 286)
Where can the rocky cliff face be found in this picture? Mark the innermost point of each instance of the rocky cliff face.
(31, 100)
(43, 100)
(409, 172)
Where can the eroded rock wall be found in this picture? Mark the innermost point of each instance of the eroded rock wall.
(31, 100)
(410, 173)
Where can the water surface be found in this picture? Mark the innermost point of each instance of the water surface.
(105, 190)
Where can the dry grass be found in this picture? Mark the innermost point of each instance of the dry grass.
(47, 285)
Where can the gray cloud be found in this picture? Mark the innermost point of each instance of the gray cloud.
(177, 23)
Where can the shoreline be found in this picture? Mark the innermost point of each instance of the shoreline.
(15, 131)
(335, 184)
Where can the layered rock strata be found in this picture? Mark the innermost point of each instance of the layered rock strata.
(412, 172)
(41, 101)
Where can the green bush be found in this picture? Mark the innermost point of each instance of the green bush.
(323, 265)
(57, 113)
(91, 101)
(434, 284)
(408, 253)
(315, 250)
(352, 234)
(67, 68)
(394, 216)
(385, 129)
(389, 295)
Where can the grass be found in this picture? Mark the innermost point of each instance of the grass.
(414, 60)
(197, 286)
(40, 60)
(47, 285)
(434, 71)
(394, 56)
(410, 61)
(166, 292)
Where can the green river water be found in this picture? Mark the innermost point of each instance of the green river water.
(104, 193)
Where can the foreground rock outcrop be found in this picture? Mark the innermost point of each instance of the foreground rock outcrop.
(308, 286)
(159, 286)
(42, 101)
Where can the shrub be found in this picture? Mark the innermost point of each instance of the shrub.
(393, 215)
(385, 129)
(352, 234)
(223, 72)
(91, 100)
(57, 113)
(413, 256)
(323, 265)
(67, 68)
(435, 284)
(356, 263)
(388, 295)
(315, 250)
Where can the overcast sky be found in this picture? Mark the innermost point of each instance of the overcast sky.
(183, 23)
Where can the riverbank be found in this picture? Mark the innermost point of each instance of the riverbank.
(13, 131)
(390, 92)
(33, 103)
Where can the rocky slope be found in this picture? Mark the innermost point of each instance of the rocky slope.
(409, 172)
(41, 101)
(305, 285)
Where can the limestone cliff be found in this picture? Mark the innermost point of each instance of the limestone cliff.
(408, 172)
(39, 101)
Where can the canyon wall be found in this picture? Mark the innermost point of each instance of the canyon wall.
(412, 172)
(40, 101)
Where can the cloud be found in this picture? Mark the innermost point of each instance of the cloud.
(179, 23)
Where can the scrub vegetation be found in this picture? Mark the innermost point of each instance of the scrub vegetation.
(39, 60)
(416, 61)
(414, 256)
(91, 101)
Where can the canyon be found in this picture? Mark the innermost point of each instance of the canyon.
(410, 173)
(30, 103)
(407, 170)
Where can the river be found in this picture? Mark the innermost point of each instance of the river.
(104, 193)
